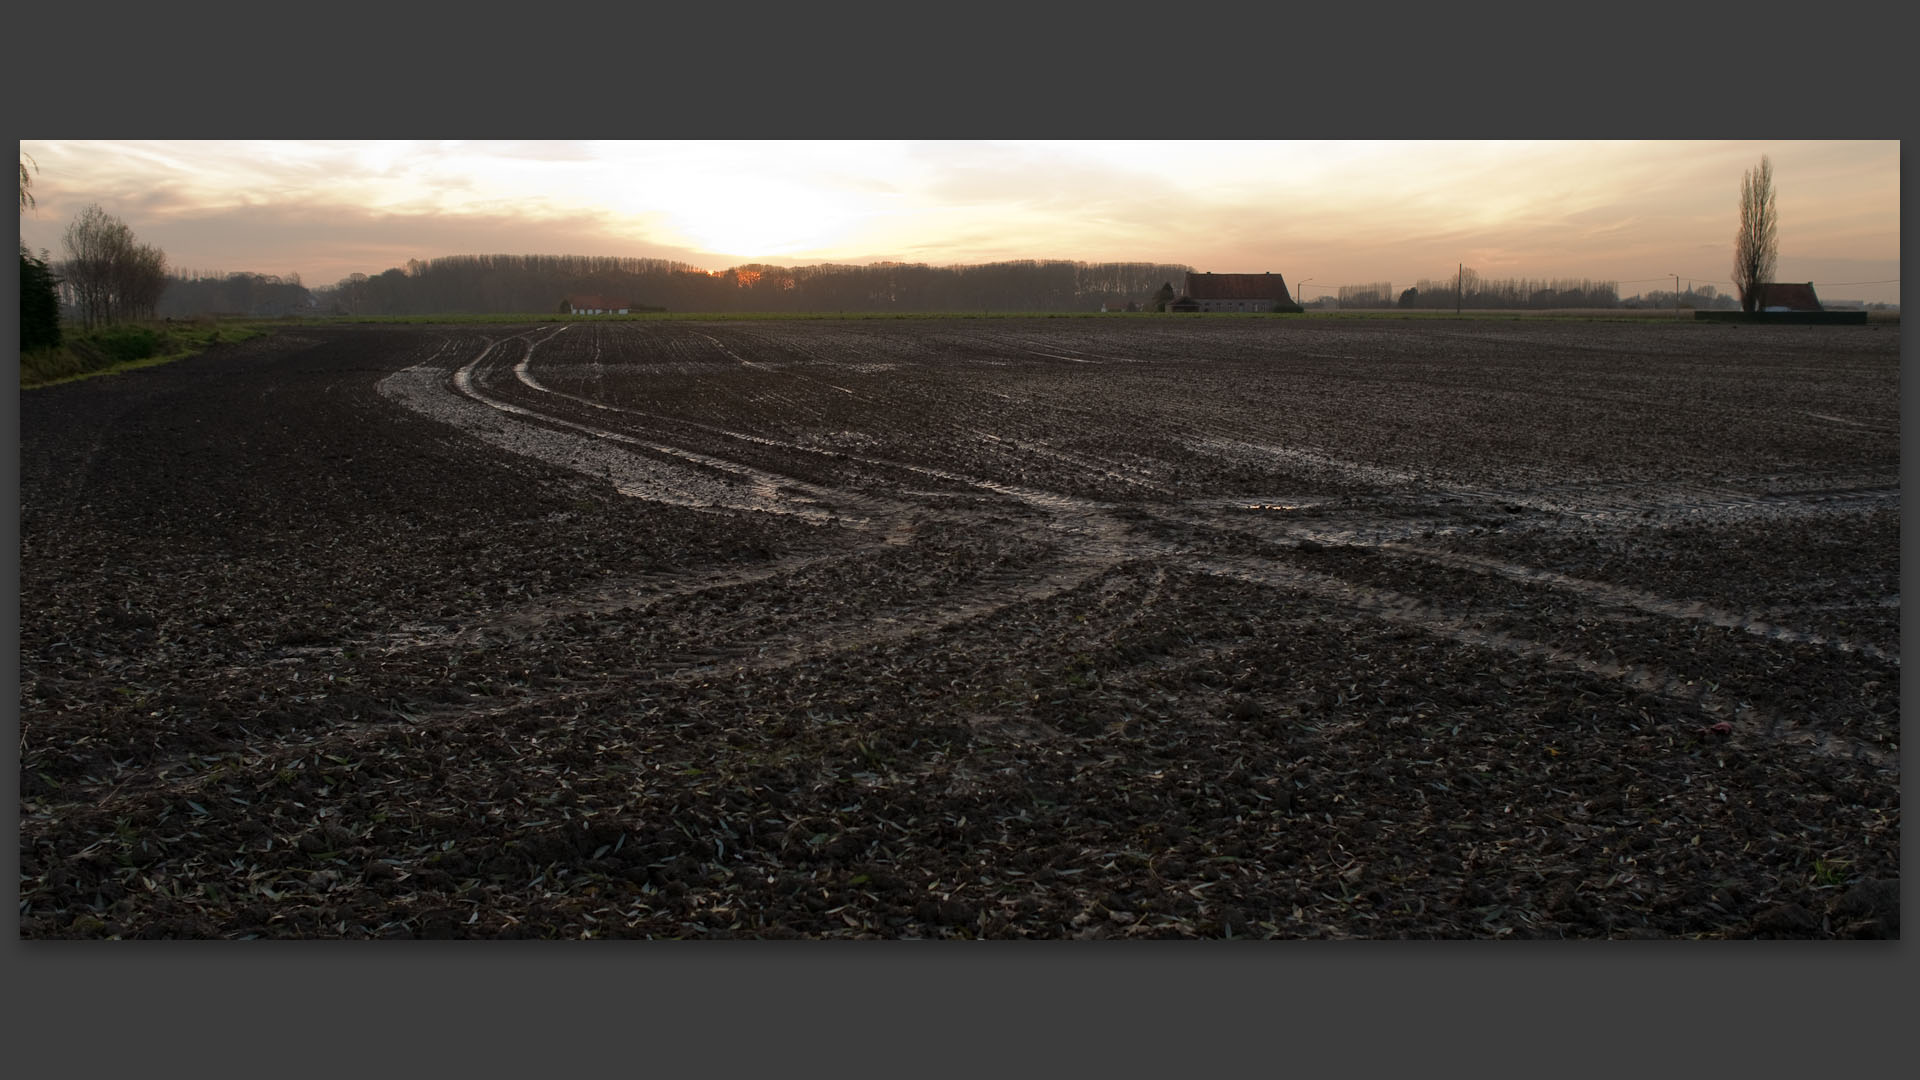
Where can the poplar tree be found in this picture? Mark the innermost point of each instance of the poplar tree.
(1756, 246)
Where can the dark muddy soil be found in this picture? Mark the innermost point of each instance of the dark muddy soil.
(953, 629)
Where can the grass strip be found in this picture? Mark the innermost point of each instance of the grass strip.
(125, 347)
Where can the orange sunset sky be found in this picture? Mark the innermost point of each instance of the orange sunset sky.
(1322, 213)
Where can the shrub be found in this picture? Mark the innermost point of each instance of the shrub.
(39, 305)
(123, 344)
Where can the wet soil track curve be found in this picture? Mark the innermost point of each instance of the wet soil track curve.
(1366, 630)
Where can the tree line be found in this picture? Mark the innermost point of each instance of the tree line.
(1704, 297)
(1468, 289)
(199, 293)
(1377, 294)
(108, 276)
(506, 284)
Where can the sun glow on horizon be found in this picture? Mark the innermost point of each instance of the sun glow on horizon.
(754, 222)
(746, 204)
(1333, 211)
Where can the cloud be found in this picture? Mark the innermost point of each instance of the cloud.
(535, 149)
(324, 243)
(1002, 177)
(1333, 211)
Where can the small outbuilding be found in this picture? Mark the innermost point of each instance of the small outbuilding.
(1782, 296)
(596, 305)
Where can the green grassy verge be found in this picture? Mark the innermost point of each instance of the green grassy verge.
(104, 351)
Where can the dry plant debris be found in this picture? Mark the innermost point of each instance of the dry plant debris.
(1022, 629)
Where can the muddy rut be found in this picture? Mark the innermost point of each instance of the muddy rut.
(1086, 536)
(1014, 629)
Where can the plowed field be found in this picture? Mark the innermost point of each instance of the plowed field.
(1042, 628)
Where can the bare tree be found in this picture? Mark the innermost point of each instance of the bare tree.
(26, 197)
(110, 276)
(139, 280)
(91, 242)
(1756, 246)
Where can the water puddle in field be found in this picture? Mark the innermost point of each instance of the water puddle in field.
(743, 360)
(702, 482)
(1268, 505)
(1302, 460)
(695, 481)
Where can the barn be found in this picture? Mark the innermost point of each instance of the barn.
(1235, 292)
(1782, 302)
(1781, 296)
(596, 305)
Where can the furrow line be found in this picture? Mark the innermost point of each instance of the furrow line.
(1619, 596)
(1416, 613)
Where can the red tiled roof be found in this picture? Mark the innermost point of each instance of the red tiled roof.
(1793, 296)
(1237, 286)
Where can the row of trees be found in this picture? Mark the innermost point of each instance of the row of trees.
(108, 276)
(1378, 294)
(1705, 297)
(198, 293)
(489, 284)
(1468, 289)
(1756, 247)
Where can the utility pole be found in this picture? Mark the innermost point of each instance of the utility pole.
(1459, 279)
(1676, 296)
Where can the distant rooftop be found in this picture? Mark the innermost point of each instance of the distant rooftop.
(1237, 286)
(1794, 296)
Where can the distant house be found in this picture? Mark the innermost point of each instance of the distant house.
(596, 305)
(1779, 296)
(1234, 292)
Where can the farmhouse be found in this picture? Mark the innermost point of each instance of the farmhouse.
(1782, 302)
(596, 305)
(1778, 296)
(1234, 292)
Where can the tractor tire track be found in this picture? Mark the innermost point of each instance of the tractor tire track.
(1385, 521)
(1659, 680)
